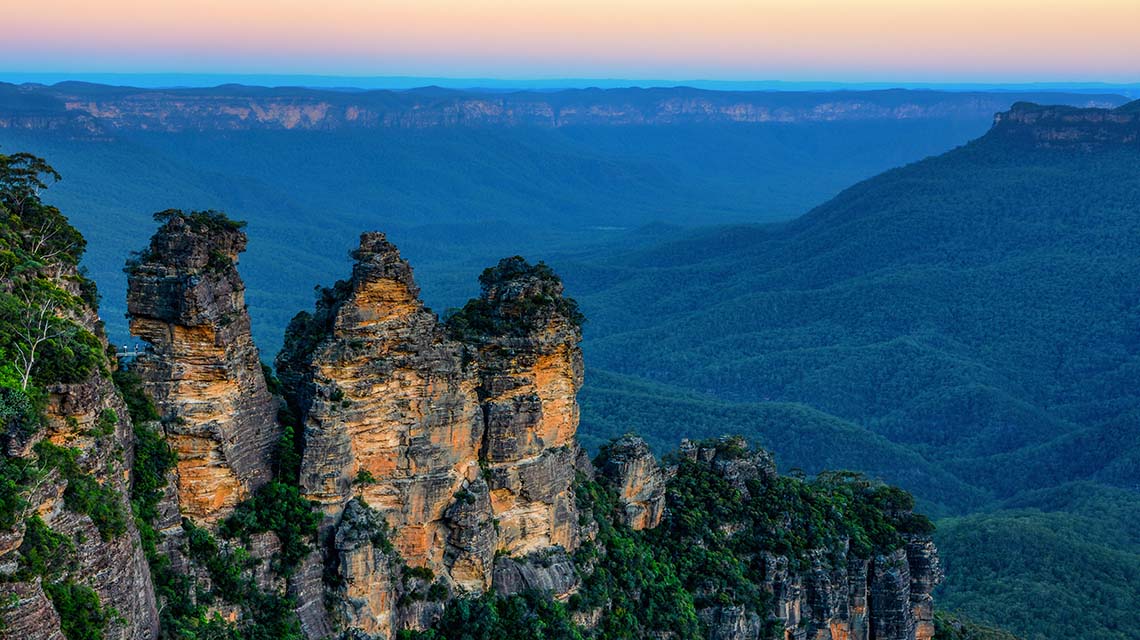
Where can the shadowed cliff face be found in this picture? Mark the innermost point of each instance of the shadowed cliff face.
(88, 418)
(1058, 127)
(187, 302)
(827, 592)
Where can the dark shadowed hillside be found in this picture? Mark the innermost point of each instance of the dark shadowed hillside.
(977, 310)
(978, 306)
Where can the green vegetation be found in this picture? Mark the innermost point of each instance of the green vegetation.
(39, 254)
(277, 507)
(42, 291)
(948, 626)
(43, 552)
(526, 297)
(962, 327)
(15, 476)
(51, 556)
(84, 494)
(40, 345)
(106, 422)
(209, 220)
(266, 616)
(81, 615)
(1046, 555)
(638, 582)
(527, 616)
(972, 308)
(708, 551)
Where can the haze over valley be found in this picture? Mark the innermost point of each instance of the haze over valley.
(569, 320)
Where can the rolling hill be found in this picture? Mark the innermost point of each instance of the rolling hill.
(967, 326)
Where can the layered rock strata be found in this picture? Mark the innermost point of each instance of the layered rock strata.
(630, 466)
(1059, 127)
(186, 300)
(464, 447)
(88, 418)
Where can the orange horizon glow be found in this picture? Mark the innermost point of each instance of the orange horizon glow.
(938, 39)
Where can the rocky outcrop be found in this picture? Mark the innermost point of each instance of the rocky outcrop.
(443, 457)
(926, 574)
(526, 336)
(186, 300)
(390, 412)
(29, 615)
(826, 594)
(366, 569)
(87, 419)
(465, 447)
(630, 466)
(551, 571)
(1063, 127)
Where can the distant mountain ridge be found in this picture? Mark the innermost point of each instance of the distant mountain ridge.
(100, 109)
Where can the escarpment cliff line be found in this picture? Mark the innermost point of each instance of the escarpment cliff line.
(92, 110)
(186, 300)
(1061, 127)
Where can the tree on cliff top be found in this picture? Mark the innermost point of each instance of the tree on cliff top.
(516, 298)
(207, 220)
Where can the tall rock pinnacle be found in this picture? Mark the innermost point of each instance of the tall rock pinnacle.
(186, 300)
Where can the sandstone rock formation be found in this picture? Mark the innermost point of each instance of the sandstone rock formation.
(187, 302)
(884, 597)
(466, 448)
(390, 411)
(640, 482)
(442, 455)
(1059, 127)
(90, 419)
(530, 370)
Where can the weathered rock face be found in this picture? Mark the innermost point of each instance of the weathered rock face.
(834, 594)
(1059, 127)
(366, 591)
(925, 574)
(186, 300)
(392, 414)
(640, 482)
(90, 418)
(114, 567)
(551, 571)
(466, 450)
(30, 616)
(530, 370)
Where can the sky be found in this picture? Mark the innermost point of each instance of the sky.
(840, 40)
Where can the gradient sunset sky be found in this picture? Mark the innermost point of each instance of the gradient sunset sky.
(871, 40)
